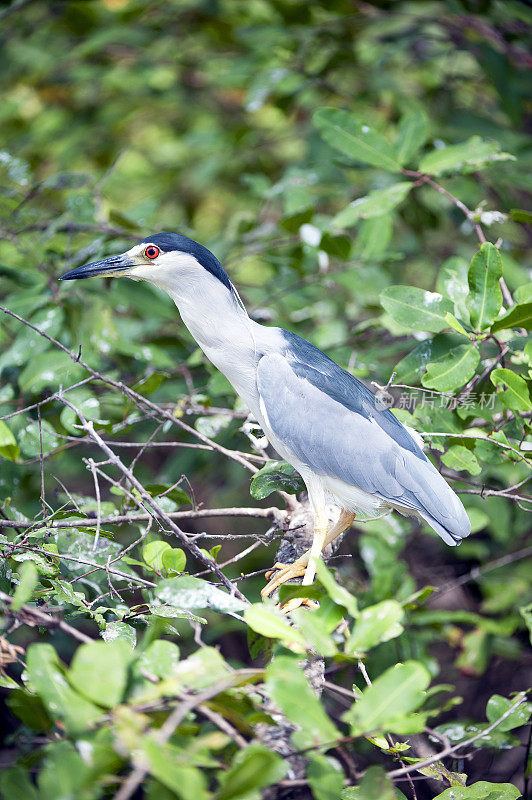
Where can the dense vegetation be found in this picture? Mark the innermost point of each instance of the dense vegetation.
(363, 171)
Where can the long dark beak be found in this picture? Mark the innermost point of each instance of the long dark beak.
(107, 267)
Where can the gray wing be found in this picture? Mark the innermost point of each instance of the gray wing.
(335, 431)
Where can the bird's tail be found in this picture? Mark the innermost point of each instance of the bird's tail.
(436, 502)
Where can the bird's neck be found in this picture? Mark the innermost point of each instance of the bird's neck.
(223, 330)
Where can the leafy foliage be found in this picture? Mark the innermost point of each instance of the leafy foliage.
(363, 171)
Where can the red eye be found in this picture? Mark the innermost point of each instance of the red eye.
(151, 251)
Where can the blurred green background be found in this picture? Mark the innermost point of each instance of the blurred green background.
(120, 118)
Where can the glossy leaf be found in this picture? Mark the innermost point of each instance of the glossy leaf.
(188, 593)
(355, 139)
(498, 705)
(416, 308)
(452, 370)
(485, 295)
(482, 790)
(276, 476)
(519, 316)
(515, 393)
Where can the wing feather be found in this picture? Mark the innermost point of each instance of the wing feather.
(343, 437)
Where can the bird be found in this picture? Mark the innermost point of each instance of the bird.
(350, 449)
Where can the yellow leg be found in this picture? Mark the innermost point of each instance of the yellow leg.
(305, 565)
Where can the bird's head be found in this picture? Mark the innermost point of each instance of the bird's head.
(168, 260)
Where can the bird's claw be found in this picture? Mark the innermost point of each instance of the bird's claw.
(285, 572)
(281, 573)
(297, 602)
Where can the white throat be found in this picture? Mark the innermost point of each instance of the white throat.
(217, 321)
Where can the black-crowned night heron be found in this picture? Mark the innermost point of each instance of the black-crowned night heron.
(349, 451)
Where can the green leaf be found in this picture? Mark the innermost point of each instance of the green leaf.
(452, 370)
(465, 157)
(388, 704)
(415, 308)
(515, 394)
(375, 624)
(289, 689)
(461, 459)
(325, 777)
(498, 705)
(270, 623)
(47, 678)
(519, 316)
(413, 366)
(411, 136)
(160, 658)
(30, 438)
(373, 786)
(455, 324)
(314, 631)
(485, 296)
(121, 631)
(522, 295)
(28, 579)
(8, 445)
(153, 552)
(355, 139)
(276, 476)
(52, 368)
(168, 764)
(251, 770)
(374, 204)
(336, 592)
(482, 790)
(188, 593)
(99, 671)
(30, 709)
(15, 783)
(64, 773)
(203, 668)
(174, 560)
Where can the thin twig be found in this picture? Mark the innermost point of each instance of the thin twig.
(26, 613)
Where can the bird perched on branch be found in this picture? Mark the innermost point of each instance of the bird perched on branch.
(348, 449)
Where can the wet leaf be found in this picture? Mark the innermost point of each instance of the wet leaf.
(276, 476)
